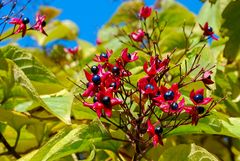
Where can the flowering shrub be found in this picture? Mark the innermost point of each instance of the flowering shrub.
(153, 104)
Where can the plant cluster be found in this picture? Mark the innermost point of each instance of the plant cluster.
(158, 101)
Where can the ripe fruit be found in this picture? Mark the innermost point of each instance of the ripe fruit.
(114, 85)
(200, 109)
(96, 79)
(158, 130)
(174, 106)
(115, 70)
(103, 55)
(149, 86)
(106, 100)
(198, 98)
(169, 95)
(95, 99)
(25, 20)
(94, 69)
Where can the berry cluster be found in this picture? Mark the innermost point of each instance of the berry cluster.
(151, 106)
(22, 24)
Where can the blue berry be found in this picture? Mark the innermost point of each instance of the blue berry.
(129, 56)
(149, 86)
(95, 99)
(25, 20)
(96, 79)
(200, 109)
(106, 100)
(103, 55)
(210, 29)
(44, 23)
(115, 70)
(174, 106)
(198, 98)
(114, 85)
(169, 95)
(94, 69)
(158, 130)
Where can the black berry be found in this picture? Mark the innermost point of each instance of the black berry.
(94, 69)
(169, 95)
(129, 56)
(149, 86)
(114, 85)
(115, 70)
(95, 99)
(174, 106)
(210, 29)
(106, 100)
(158, 130)
(96, 79)
(200, 109)
(25, 20)
(198, 98)
(44, 23)
(103, 55)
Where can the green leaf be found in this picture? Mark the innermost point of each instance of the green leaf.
(183, 16)
(28, 64)
(60, 105)
(69, 141)
(126, 13)
(17, 120)
(49, 12)
(216, 123)
(231, 29)
(187, 152)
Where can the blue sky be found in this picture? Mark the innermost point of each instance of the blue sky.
(90, 15)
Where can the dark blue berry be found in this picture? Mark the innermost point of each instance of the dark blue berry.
(115, 70)
(25, 20)
(94, 69)
(149, 86)
(174, 106)
(210, 29)
(198, 98)
(96, 79)
(44, 23)
(87, 84)
(200, 109)
(103, 55)
(129, 56)
(158, 130)
(95, 99)
(114, 85)
(106, 100)
(169, 95)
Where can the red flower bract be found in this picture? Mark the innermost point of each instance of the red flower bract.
(148, 85)
(145, 12)
(152, 132)
(22, 26)
(72, 51)
(168, 95)
(198, 99)
(105, 101)
(126, 57)
(156, 66)
(208, 31)
(103, 57)
(40, 23)
(206, 77)
(137, 36)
